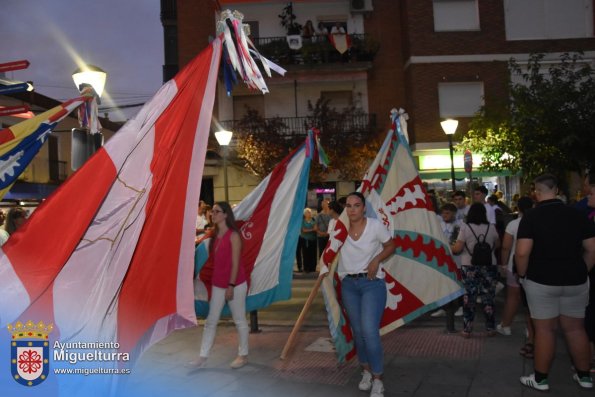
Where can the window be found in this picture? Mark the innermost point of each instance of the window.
(455, 15)
(548, 19)
(460, 99)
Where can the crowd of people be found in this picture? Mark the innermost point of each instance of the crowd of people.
(543, 250)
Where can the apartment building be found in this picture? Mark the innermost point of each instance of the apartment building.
(437, 59)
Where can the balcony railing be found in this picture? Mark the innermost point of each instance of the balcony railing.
(358, 127)
(316, 50)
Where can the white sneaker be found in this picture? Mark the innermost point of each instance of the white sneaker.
(503, 330)
(585, 382)
(459, 312)
(366, 383)
(377, 388)
(439, 313)
(530, 381)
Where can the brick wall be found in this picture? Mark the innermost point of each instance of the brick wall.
(422, 94)
(386, 85)
(196, 22)
(423, 41)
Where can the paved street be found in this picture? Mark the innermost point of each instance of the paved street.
(421, 360)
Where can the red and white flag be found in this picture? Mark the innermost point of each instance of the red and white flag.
(109, 256)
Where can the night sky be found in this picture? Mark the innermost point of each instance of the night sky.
(123, 37)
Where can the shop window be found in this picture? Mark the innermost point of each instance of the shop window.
(455, 15)
(460, 99)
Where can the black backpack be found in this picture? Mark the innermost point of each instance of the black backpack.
(482, 251)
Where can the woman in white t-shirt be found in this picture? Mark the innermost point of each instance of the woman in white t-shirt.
(363, 288)
(513, 290)
(478, 280)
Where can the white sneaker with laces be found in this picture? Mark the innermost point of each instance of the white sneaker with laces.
(503, 330)
(459, 312)
(377, 388)
(531, 382)
(366, 383)
(439, 313)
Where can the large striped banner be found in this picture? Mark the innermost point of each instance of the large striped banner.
(270, 219)
(108, 257)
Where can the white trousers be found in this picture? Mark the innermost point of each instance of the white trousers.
(238, 311)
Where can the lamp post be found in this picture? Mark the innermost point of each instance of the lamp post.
(91, 75)
(224, 137)
(449, 127)
(83, 145)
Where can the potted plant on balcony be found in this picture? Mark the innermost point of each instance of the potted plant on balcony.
(293, 29)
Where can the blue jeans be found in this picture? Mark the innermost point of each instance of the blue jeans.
(364, 301)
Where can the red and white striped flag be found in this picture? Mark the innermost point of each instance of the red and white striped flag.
(109, 256)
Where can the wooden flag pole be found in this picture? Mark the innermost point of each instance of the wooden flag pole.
(300, 320)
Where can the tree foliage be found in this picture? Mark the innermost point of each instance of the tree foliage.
(262, 143)
(349, 138)
(548, 124)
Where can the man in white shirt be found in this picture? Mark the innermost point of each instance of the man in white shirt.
(479, 196)
(460, 201)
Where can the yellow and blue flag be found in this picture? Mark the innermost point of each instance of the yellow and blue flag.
(21, 142)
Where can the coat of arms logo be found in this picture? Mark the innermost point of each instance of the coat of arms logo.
(29, 353)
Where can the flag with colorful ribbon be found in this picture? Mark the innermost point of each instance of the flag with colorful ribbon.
(21, 142)
(270, 219)
(421, 275)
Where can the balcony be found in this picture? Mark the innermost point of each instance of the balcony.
(358, 127)
(317, 50)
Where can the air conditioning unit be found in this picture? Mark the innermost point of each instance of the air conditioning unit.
(357, 6)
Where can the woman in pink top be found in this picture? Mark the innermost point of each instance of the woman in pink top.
(229, 283)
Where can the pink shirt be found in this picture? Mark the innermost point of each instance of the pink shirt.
(222, 263)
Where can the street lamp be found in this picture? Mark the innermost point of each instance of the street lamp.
(449, 127)
(91, 75)
(87, 139)
(224, 137)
